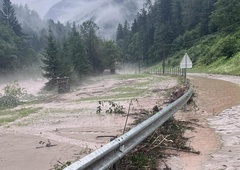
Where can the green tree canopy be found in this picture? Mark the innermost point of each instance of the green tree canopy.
(52, 66)
(111, 55)
(8, 17)
(8, 50)
(89, 31)
(77, 53)
(226, 14)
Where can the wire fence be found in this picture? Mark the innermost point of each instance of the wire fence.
(174, 71)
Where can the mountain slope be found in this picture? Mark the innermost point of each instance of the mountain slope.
(42, 6)
(106, 13)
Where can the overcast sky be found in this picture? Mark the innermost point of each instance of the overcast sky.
(41, 6)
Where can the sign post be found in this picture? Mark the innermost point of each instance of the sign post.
(185, 63)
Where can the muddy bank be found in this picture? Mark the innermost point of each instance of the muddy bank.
(217, 99)
(71, 122)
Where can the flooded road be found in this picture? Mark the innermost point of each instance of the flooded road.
(218, 102)
(217, 136)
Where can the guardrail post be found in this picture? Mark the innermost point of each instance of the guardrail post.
(115, 165)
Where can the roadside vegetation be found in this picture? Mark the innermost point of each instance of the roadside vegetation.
(166, 30)
(7, 116)
(166, 141)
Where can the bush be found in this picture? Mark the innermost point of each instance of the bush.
(8, 102)
(11, 96)
(228, 47)
(14, 90)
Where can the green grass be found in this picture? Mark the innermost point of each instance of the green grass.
(222, 66)
(215, 53)
(129, 91)
(7, 116)
(132, 88)
(133, 76)
(114, 97)
(66, 111)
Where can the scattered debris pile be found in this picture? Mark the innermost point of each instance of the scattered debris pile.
(45, 144)
(166, 141)
(63, 84)
(177, 93)
(168, 137)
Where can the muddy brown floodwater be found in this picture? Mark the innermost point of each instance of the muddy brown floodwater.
(70, 122)
(218, 136)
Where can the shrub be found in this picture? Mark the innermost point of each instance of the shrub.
(11, 96)
(14, 90)
(8, 101)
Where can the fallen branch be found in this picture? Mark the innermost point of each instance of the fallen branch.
(181, 150)
(48, 144)
(167, 167)
(164, 139)
(107, 136)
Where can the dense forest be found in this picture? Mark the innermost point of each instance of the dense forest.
(70, 50)
(208, 29)
(162, 31)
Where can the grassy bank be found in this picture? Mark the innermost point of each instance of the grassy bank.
(222, 66)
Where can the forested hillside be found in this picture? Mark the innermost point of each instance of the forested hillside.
(105, 13)
(207, 29)
(162, 31)
(70, 50)
(23, 37)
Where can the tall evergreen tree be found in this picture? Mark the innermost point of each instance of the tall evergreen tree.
(89, 31)
(119, 35)
(51, 62)
(123, 38)
(66, 66)
(8, 17)
(177, 18)
(78, 54)
(8, 49)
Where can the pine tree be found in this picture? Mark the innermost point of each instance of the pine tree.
(51, 62)
(8, 49)
(92, 44)
(78, 54)
(66, 66)
(177, 19)
(8, 17)
(119, 35)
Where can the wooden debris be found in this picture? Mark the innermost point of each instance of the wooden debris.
(46, 144)
(177, 94)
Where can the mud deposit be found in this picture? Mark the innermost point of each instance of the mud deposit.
(218, 137)
(66, 127)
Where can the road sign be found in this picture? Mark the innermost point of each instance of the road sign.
(186, 62)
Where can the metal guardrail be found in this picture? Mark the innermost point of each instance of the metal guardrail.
(112, 152)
